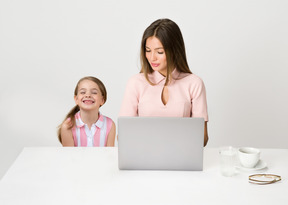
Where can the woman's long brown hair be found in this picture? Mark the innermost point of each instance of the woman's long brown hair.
(170, 36)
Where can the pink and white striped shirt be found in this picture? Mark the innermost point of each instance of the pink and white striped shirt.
(94, 137)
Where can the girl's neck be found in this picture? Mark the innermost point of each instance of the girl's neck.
(89, 117)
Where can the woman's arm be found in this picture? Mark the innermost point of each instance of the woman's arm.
(66, 134)
(205, 134)
(111, 136)
(199, 103)
(129, 106)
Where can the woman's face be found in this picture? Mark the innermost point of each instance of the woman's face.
(155, 55)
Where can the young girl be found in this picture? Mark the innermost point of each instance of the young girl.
(84, 125)
(165, 85)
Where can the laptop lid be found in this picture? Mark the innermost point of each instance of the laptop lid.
(160, 143)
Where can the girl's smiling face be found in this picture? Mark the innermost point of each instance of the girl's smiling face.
(155, 55)
(89, 96)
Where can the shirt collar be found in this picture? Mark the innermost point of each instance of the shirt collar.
(79, 123)
(157, 77)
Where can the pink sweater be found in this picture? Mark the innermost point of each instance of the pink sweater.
(187, 96)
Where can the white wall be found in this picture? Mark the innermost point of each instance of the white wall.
(239, 49)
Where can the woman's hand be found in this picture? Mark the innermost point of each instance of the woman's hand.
(206, 138)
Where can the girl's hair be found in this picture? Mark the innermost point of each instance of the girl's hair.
(76, 108)
(170, 36)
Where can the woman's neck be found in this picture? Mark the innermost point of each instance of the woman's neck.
(89, 117)
(164, 73)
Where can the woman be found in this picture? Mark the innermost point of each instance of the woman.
(165, 85)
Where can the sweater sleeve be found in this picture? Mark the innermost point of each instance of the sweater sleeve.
(199, 101)
(129, 106)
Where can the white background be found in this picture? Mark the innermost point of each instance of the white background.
(239, 49)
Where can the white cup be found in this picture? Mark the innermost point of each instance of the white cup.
(228, 159)
(248, 156)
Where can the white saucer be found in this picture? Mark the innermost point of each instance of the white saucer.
(260, 165)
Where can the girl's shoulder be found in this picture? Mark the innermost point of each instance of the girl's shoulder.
(107, 118)
(108, 122)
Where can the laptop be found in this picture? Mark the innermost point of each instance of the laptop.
(160, 143)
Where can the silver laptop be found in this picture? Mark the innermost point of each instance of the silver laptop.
(160, 143)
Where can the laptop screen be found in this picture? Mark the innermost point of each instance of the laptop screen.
(160, 143)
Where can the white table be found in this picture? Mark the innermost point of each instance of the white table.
(91, 176)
